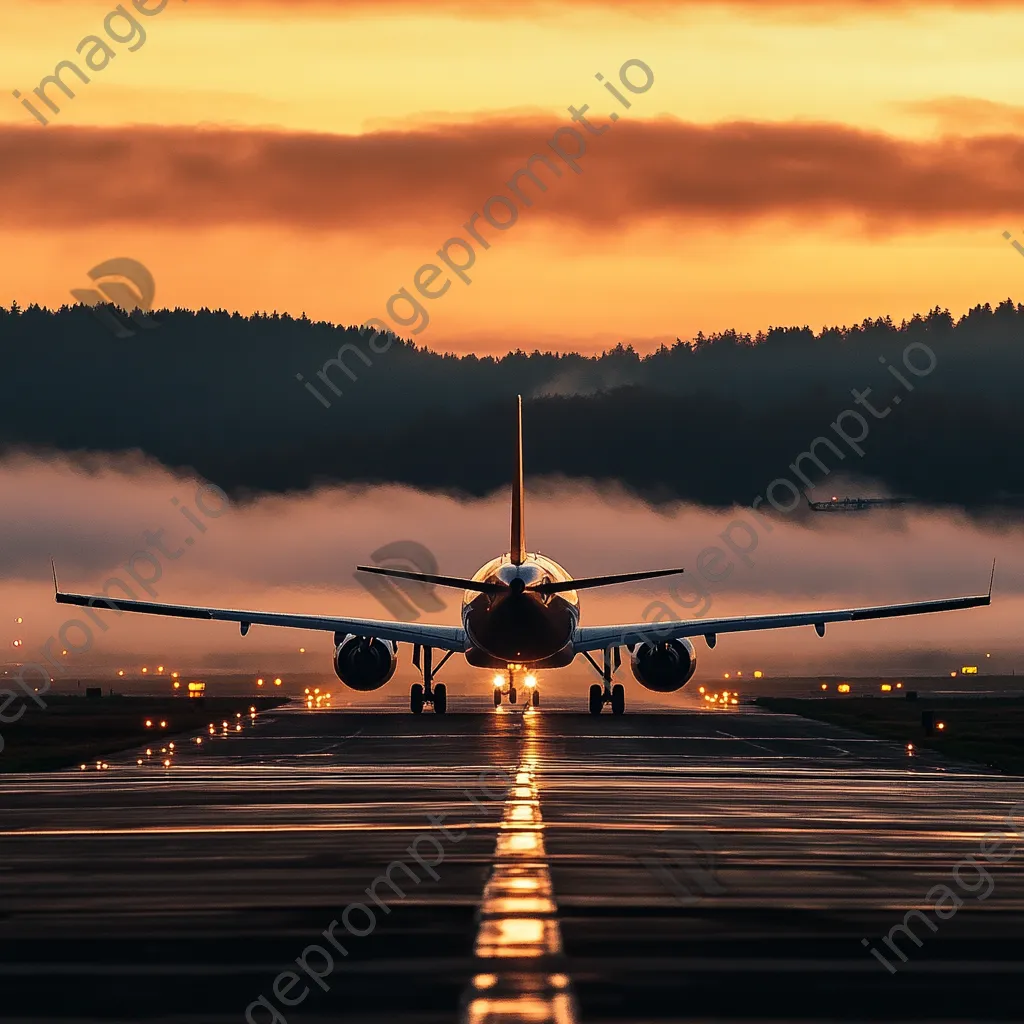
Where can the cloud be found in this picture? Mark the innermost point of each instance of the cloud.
(434, 178)
(968, 114)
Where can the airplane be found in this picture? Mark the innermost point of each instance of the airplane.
(521, 615)
(838, 504)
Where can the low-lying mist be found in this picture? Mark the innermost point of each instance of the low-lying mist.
(298, 553)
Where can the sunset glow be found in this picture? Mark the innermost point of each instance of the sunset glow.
(785, 166)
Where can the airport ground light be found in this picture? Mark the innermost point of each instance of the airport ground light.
(113, 731)
(981, 730)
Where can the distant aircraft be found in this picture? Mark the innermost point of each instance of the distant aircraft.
(854, 504)
(521, 614)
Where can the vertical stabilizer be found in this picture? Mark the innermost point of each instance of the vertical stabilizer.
(518, 545)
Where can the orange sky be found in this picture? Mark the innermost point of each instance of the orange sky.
(791, 163)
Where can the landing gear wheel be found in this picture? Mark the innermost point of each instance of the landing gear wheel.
(535, 699)
(618, 699)
(440, 699)
(512, 695)
(416, 699)
(596, 699)
(497, 698)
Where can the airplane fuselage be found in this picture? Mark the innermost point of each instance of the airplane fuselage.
(518, 625)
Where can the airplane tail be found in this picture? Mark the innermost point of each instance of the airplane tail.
(517, 547)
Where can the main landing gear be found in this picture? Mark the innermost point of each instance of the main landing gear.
(505, 685)
(607, 694)
(426, 693)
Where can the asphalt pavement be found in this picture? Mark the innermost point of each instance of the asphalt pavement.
(364, 865)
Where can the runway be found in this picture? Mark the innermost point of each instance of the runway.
(664, 866)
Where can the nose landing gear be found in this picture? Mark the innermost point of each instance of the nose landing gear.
(618, 699)
(421, 694)
(506, 686)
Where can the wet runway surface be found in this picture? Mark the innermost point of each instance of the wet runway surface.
(479, 867)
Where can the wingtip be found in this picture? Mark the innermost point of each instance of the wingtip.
(992, 579)
(53, 569)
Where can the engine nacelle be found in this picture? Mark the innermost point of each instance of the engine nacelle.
(365, 663)
(664, 667)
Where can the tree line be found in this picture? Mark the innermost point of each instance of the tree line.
(710, 419)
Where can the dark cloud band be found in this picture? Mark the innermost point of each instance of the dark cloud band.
(418, 180)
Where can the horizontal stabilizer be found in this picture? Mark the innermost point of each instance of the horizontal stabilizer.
(439, 581)
(602, 581)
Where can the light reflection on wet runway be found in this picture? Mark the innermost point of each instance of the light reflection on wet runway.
(519, 934)
(667, 865)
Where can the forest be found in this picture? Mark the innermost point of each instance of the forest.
(711, 419)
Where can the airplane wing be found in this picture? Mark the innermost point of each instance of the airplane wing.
(448, 638)
(596, 638)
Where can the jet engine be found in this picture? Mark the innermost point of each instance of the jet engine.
(664, 667)
(365, 663)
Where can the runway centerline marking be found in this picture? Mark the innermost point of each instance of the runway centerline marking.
(519, 923)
